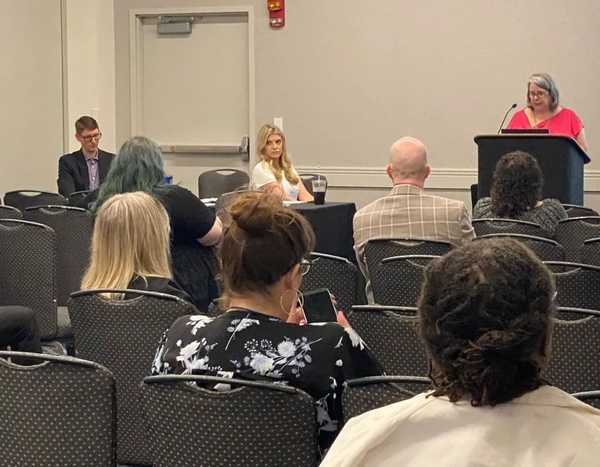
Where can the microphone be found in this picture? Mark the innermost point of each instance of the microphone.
(506, 115)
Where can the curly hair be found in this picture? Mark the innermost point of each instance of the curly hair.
(516, 185)
(485, 316)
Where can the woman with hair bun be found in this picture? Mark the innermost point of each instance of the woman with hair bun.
(263, 259)
(486, 320)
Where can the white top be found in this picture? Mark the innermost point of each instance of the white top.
(546, 427)
(262, 175)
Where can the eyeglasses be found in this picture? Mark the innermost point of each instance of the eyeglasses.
(538, 94)
(305, 265)
(89, 138)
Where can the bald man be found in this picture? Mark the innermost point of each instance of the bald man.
(407, 211)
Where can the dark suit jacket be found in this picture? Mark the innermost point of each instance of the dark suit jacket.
(73, 171)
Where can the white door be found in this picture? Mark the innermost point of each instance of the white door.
(193, 93)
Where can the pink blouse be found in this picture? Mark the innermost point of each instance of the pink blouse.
(566, 122)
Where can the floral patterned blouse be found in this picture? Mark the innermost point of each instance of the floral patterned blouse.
(242, 343)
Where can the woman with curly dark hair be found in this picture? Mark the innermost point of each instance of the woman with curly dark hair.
(485, 317)
(516, 193)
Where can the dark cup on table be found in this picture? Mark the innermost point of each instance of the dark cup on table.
(319, 186)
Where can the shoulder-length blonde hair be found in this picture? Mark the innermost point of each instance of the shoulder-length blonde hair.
(283, 165)
(131, 238)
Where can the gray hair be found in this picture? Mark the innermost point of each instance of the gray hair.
(544, 81)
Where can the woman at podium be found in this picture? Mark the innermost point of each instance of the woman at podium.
(543, 111)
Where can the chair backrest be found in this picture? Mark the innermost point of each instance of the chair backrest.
(363, 394)
(123, 336)
(10, 212)
(22, 199)
(377, 250)
(77, 198)
(574, 210)
(392, 337)
(397, 280)
(500, 225)
(544, 248)
(73, 228)
(214, 183)
(573, 365)
(577, 285)
(254, 423)
(572, 232)
(337, 274)
(589, 252)
(308, 178)
(589, 397)
(57, 411)
(28, 272)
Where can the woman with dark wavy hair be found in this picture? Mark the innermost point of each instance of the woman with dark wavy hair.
(485, 317)
(516, 193)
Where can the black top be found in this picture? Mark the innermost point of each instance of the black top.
(157, 284)
(73, 172)
(241, 343)
(194, 265)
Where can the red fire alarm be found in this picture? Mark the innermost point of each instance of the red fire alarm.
(276, 13)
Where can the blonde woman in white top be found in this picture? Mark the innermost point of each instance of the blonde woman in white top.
(275, 172)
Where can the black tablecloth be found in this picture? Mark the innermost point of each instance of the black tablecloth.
(332, 223)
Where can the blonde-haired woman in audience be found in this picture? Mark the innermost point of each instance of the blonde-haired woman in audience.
(130, 246)
(275, 172)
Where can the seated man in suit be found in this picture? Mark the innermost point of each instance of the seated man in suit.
(407, 211)
(86, 168)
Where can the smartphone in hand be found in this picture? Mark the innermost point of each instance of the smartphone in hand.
(319, 307)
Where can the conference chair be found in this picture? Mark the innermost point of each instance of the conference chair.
(28, 274)
(544, 248)
(577, 285)
(572, 232)
(573, 365)
(22, 199)
(249, 423)
(214, 183)
(73, 227)
(78, 198)
(308, 178)
(337, 274)
(10, 212)
(574, 210)
(123, 335)
(589, 252)
(391, 334)
(397, 280)
(363, 394)
(500, 225)
(58, 411)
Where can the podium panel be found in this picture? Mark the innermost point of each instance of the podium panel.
(560, 157)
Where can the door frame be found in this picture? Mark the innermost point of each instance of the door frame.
(136, 57)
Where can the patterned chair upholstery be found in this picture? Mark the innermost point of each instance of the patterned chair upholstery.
(589, 252)
(123, 336)
(544, 248)
(255, 423)
(589, 397)
(10, 212)
(397, 280)
(377, 250)
(573, 364)
(59, 411)
(28, 273)
(392, 337)
(577, 285)
(214, 183)
(73, 228)
(574, 210)
(495, 225)
(22, 199)
(337, 274)
(363, 394)
(572, 232)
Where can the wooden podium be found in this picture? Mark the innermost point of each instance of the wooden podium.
(560, 157)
